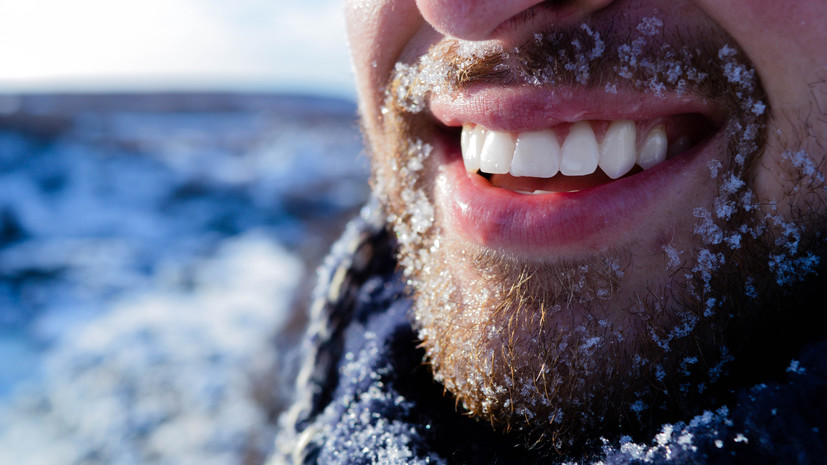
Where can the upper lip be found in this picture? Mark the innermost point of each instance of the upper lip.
(529, 108)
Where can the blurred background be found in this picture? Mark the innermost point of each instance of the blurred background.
(171, 173)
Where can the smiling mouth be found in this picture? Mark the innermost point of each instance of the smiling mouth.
(574, 185)
(574, 156)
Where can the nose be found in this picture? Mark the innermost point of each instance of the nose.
(478, 19)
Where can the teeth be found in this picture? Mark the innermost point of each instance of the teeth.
(653, 150)
(580, 151)
(472, 138)
(617, 151)
(540, 154)
(537, 154)
(464, 140)
(497, 152)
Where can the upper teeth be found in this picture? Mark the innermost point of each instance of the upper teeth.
(540, 154)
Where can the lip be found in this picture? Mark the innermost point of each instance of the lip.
(565, 224)
(525, 108)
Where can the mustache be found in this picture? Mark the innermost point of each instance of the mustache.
(707, 63)
(698, 62)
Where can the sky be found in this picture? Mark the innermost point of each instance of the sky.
(122, 45)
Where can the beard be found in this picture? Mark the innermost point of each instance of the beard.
(568, 351)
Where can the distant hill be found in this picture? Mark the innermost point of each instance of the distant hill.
(51, 113)
(68, 103)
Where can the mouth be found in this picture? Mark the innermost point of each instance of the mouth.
(569, 180)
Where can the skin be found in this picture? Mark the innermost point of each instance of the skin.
(661, 333)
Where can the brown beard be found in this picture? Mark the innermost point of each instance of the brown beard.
(547, 347)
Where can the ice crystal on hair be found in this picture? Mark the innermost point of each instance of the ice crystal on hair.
(674, 71)
(714, 166)
(630, 53)
(629, 59)
(716, 371)
(790, 270)
(422, 214)
(732, 184)
(410, 93)
(795, 367)
(589, 344)
(709, 306)
(804, 165)
(758, 108)
(734, 241)
(695, 75)
(686, 362)
(650, 26)
(747, 202)
(724, 207)
(726, 52)
(689, 320)
(707, 263)
(790, 233)
(749, 288)
(673, 255)
(638, 407)
(660, 373)
(598, 46)
(735, 71)
(656, 86)
(419, 215)
(707, 229)
(580, 64)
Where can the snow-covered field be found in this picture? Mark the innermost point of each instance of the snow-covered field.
(154, 251)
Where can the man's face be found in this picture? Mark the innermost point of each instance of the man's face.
(599, 205)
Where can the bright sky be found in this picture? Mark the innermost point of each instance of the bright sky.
(287, 45)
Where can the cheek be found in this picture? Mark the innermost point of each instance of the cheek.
(785, 41)
(379, 32)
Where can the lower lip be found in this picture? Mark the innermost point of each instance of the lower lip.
(568, 223)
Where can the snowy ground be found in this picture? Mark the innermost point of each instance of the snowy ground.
(152, 253)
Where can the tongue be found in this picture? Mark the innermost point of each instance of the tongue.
(558, 183)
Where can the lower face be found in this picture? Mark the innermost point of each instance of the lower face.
(599, 300)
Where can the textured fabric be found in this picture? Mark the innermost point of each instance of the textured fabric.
(365, 396)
